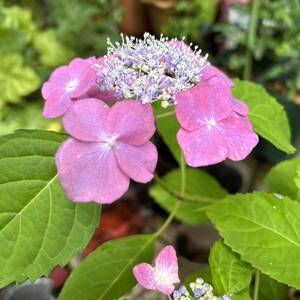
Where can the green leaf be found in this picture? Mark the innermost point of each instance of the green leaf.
(243, 295)
(202, 188)
(267, 116)
(270, 289)
(106, 274)
(264, 230)
(52, 52)
(281, 178)
(230, 274)
(16, 79)
(204, 273)
(167, 127)
(39, 227)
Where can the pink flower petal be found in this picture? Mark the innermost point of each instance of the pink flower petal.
(86, 120)
(90, 172)
(59, 76)
(202, 147)
(132, 122)
(210, 72)
(201, 103)
(218, 79)
(94, 92)
(239, 107)
(166, 264)
(56, 104)
(138, 162)
(145, 275)
(239, 138)
(84, 73)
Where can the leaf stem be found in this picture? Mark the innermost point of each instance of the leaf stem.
(251, 37)
(160, 116)
(256, 285)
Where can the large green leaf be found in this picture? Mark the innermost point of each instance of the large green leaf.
(270, 289)
(264, 230)
(205, 274)
(16, 79)
(230, 274)
(242, 295)
(201, 188)
(167, 127)
(39, 227)
(281, 178)
(267, 115)
(106, 274)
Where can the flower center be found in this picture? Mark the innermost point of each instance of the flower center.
(211, 123)
(110, 141)
(71, 85)
(163, 277)
(150, 69)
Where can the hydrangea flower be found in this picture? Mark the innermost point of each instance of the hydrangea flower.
(110, 146)
(107, 148)
(163, 275)
(212, 130)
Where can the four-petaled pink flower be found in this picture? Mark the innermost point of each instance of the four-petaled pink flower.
(108, 146)
(163, 276)
(214, 125)
(72, 82)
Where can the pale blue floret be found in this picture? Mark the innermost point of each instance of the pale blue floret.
(201, 291)
(150, 69)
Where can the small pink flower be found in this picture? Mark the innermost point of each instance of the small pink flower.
(66, 84)
(212, 130)
(108, 146)
(163, 276)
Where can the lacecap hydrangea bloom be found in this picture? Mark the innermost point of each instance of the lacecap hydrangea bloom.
(110, 143)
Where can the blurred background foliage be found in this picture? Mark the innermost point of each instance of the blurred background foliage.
(38, 36)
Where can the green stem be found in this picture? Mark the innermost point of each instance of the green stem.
(182, 197)
(168, 221)
(183, 175)
(256, 285)
(160, 116)
(251, 37)
(177, 204)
